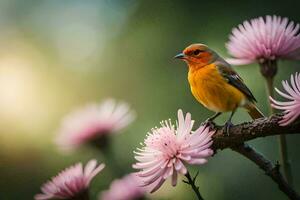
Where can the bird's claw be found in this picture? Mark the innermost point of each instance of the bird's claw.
(208, 123)
(227, 127)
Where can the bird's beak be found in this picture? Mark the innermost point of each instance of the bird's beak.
(180, 56)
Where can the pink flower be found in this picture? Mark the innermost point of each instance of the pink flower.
(93, 122)
(264, 39)
(168, 148)
(290, 108)
(71, 183)
(127, 188)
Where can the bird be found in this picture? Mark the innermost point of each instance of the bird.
(216, 85)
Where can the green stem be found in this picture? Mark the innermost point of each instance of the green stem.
(84, 195)
(282, 138)
(103, 144)
(191, 182)
(111, 159)
(270, 91)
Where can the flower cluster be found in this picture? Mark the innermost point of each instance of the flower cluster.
(267, 38)
(93, 122)
(168, 148)
(71, 183)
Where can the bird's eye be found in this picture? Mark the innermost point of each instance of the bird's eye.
(196, 52)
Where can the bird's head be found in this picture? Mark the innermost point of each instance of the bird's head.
(197, 55)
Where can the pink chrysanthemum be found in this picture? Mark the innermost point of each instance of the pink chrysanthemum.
(93, 122)
(267, 39)
(127, 188)
(168, 148)
(71, 183)
(290, 108)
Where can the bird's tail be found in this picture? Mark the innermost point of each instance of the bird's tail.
(253, 111)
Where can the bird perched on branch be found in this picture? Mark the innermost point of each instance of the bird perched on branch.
(215, 84)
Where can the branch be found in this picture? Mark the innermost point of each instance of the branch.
(250, 130)
(269, 168)
(192, 182)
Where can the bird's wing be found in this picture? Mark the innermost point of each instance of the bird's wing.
(234, 79)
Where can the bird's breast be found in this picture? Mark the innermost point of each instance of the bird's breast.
(210, 88)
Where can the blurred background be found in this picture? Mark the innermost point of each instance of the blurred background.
(58, 55)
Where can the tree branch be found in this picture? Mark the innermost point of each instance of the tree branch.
(270, 169)
(250, 130)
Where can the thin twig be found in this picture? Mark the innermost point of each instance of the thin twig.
(270, 169)
(192, 182)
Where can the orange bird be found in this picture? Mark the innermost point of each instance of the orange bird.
(215, 84)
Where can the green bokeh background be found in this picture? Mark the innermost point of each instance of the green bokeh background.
(56, 56)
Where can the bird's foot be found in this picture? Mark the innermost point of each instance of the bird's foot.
(209, 122)
(227, 127)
